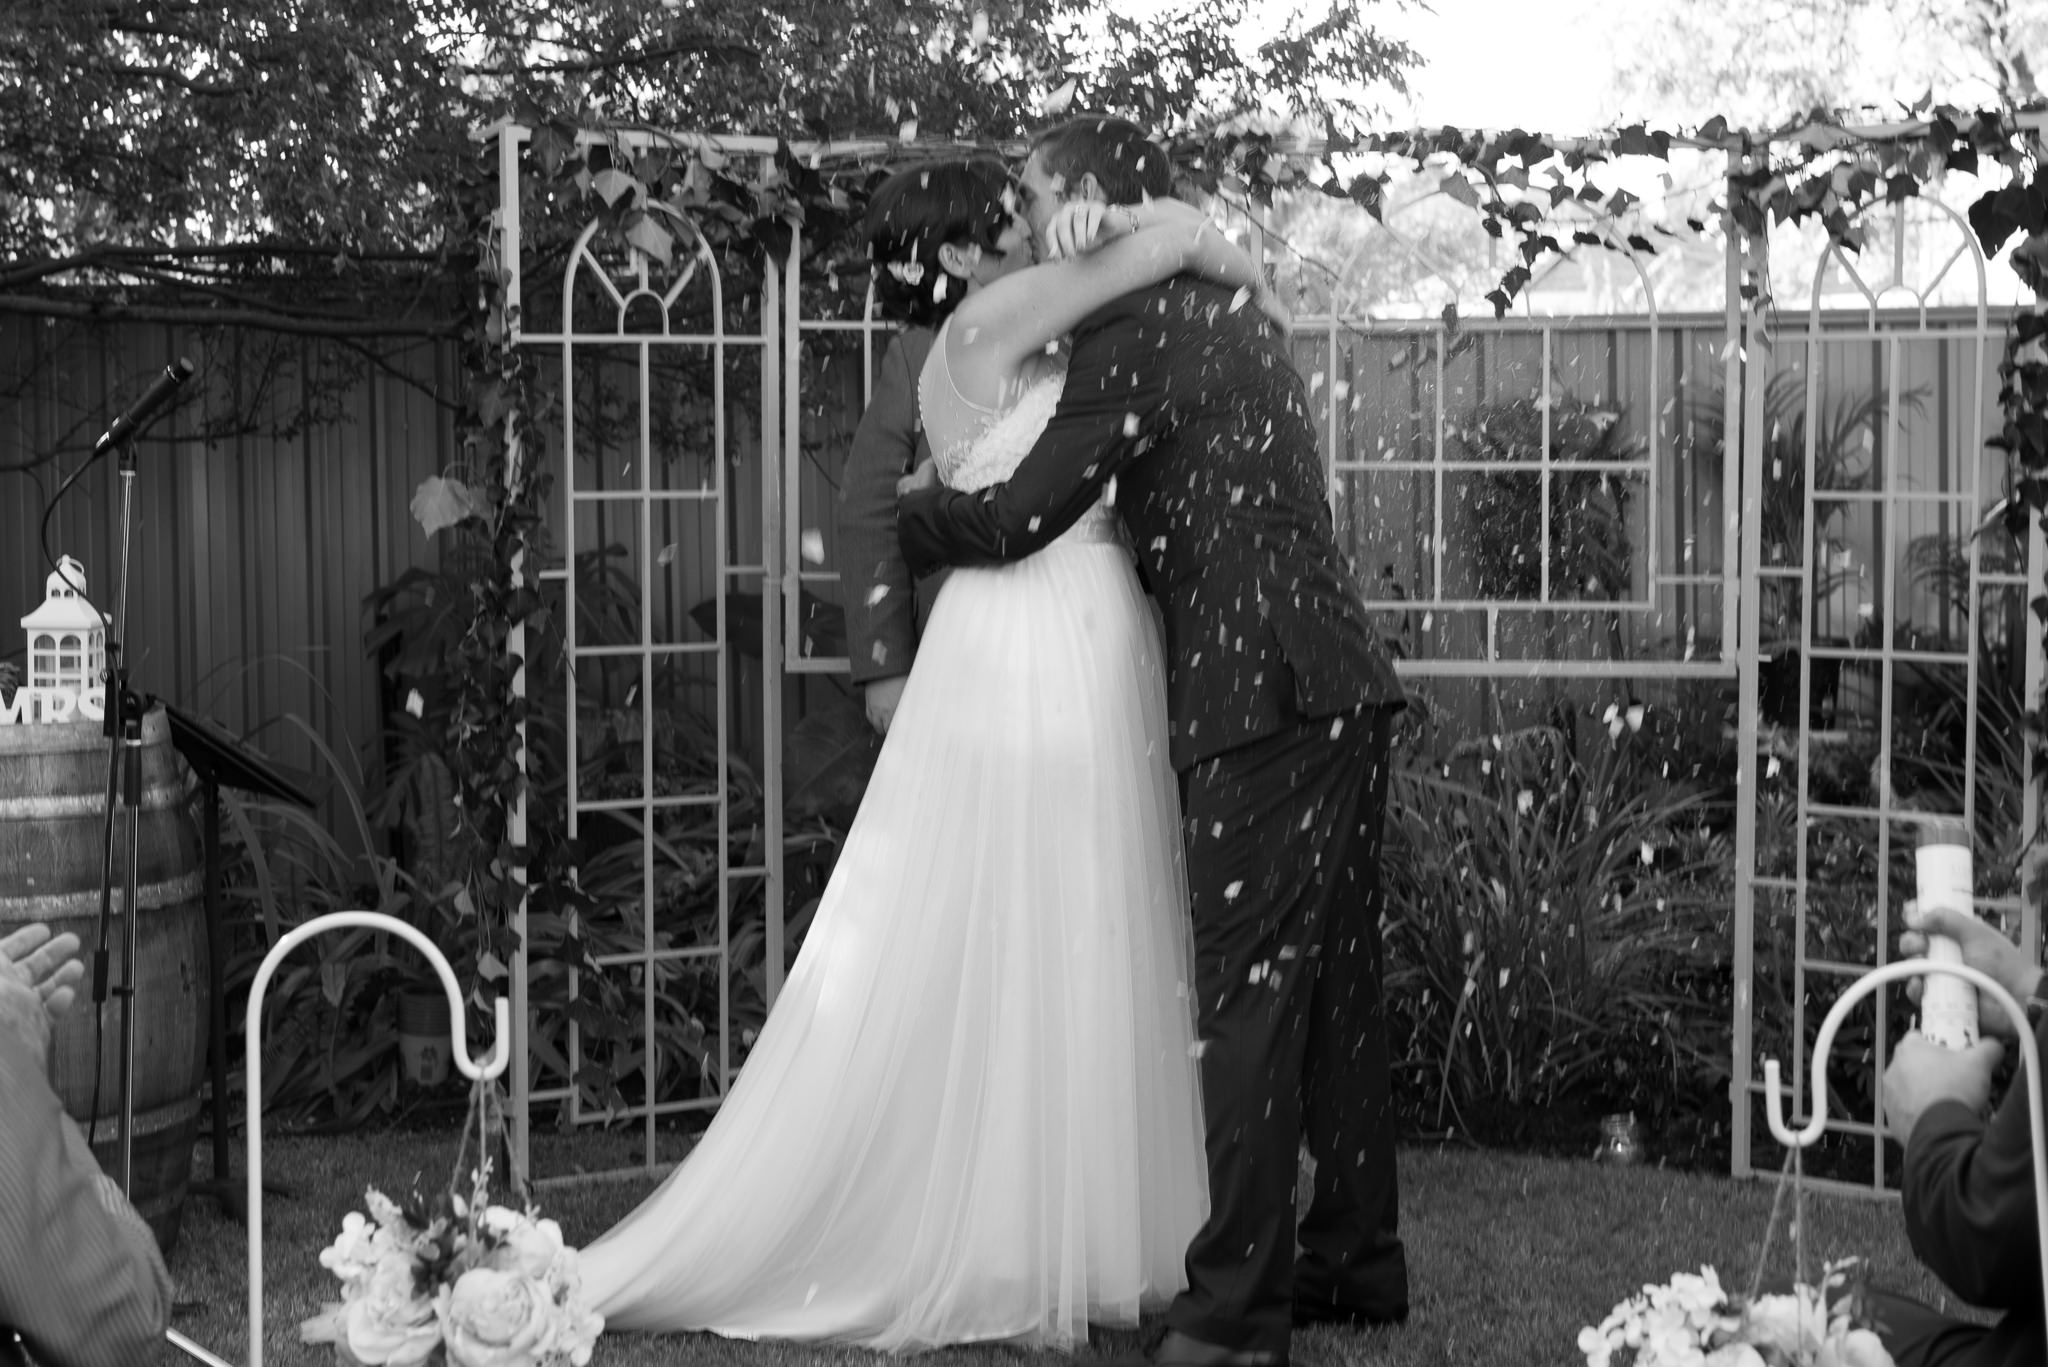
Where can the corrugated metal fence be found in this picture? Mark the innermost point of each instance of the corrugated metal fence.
(253, 548)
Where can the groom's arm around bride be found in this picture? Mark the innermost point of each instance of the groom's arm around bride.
(1280, 699)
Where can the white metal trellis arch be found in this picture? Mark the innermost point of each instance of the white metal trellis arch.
(1729, 653)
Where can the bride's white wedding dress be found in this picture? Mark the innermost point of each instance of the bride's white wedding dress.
(973, 1113)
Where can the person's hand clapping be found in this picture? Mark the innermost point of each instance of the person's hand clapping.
(45, 962)
(1985, 948)
(39, 977)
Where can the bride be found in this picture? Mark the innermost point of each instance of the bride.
(972, 1114)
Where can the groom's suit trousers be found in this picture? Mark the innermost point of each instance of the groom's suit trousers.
(1283, 842)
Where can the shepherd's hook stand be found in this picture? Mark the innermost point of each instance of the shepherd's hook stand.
(491, 1067)
(2030, 1055)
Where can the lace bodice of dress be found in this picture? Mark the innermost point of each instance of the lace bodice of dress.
(991, 445)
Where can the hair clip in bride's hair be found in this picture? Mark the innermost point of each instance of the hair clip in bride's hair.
(910, 273)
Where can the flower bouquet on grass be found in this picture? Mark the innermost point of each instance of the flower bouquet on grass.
(454, 1282)
(1691, 1322)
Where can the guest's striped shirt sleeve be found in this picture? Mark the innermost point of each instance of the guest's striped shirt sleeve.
(80, 1274)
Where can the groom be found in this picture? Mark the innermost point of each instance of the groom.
(1280, 701)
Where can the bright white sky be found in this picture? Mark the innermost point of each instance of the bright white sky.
(1535, 64)
(1503, 63)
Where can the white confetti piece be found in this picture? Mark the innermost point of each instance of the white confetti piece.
(813, 546)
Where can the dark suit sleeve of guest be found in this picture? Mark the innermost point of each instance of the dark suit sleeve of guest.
(80, 1275)
(1116, 388)
(881, 596)
(1969, 1199)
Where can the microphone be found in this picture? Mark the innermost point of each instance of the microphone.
(143, 409)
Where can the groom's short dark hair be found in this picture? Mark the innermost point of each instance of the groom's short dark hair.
(1128, 165)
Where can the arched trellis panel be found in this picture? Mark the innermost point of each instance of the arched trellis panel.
(1888, 621)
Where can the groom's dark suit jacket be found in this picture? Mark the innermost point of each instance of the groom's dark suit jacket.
(1185, 397)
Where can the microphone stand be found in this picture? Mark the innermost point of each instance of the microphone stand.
(122, 727)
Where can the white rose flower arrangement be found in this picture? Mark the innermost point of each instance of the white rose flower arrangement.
(1691, 1322)
(458, 1283)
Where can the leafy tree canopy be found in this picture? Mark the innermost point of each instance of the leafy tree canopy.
(299, 164)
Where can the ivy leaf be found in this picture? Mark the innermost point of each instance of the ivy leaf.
(1637, 141)
(612, 185)
(1714, 129)
(1588, 239)
(1898, 189)
(1369, 195)
(1992, 222)
(1460, 189)
(441, 502)
(1500, 301)
(1641, 244)
(1529, 148)
(649, 236)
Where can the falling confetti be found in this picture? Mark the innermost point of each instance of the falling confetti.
(813, 546)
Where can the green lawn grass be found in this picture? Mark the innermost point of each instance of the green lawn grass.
(1510, 1254)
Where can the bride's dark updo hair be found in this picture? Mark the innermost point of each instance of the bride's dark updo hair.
(917, 211)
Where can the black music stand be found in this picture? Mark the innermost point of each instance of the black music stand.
(220, 761)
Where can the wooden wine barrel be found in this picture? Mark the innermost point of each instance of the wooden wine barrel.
(53, 790)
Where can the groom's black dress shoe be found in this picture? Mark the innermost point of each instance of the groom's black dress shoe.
(1311, 1313)
(1176, 1349)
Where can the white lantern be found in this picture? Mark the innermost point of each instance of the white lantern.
(67, 637)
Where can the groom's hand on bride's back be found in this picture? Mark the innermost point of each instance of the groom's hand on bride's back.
(925, 476)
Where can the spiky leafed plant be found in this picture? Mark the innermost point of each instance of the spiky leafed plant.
(1547, 911)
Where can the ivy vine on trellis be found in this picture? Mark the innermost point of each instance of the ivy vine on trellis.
(1542, 193)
